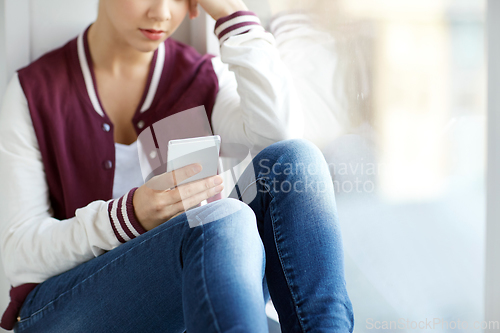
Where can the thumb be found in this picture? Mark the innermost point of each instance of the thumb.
(170, 179)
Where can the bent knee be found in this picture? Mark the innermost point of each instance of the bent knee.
(295, 156)
(223, 209)
(296, 150)
(300, 147)
(231, 222)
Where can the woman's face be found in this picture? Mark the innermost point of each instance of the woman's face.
(144, 24)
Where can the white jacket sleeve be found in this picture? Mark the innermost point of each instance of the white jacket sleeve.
(256, 104)
(34, 245)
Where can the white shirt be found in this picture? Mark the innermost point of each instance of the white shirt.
(127, 169)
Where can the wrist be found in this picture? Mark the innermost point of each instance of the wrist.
(237, 23)
(132, 212)
(231, 7)
(122, 218)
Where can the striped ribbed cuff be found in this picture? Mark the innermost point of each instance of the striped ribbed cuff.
(122, 217)
(237, 23)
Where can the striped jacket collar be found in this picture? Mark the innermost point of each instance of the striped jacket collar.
(154, 76)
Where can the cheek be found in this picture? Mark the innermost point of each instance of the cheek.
(179, 9)
(125, 12)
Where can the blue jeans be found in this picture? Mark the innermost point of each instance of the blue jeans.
(285, 243)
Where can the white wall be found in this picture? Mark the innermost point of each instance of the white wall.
(4, 286)
(53, 22)
(2, 50)
(14, 31)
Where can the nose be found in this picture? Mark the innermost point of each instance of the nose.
(159, 10)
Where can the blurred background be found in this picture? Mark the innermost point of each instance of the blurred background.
(395, 96)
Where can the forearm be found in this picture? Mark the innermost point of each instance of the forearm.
(217, 8)
(257, 104)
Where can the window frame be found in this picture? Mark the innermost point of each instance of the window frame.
(492, 251)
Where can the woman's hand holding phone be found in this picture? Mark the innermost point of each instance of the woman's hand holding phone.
(216, 8)
(160, 199)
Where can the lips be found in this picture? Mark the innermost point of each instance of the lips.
(153, 34)
(154, 31)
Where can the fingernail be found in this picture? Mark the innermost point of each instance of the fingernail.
(196, 168)
(218, 181)
(219, 188)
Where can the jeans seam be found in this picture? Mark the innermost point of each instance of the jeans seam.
(281, 260)
(210, 305)
(351, 315)
(88, 277)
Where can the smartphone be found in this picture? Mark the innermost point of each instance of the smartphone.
(203, 150)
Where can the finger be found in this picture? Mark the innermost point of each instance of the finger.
(177, 176)
(185, 191)
(170, 179)
(193, 8)
(188, 190)
(194, 200)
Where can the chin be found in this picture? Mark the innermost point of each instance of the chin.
(148, 46)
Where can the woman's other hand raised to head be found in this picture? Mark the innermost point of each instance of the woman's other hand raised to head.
(158, 200)
(216, 8)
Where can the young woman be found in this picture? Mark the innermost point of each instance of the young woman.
(89, 247)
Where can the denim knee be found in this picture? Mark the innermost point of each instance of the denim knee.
(297, 150)
(219, 210)
(230, 220)
(232, 216)
(293, 157)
